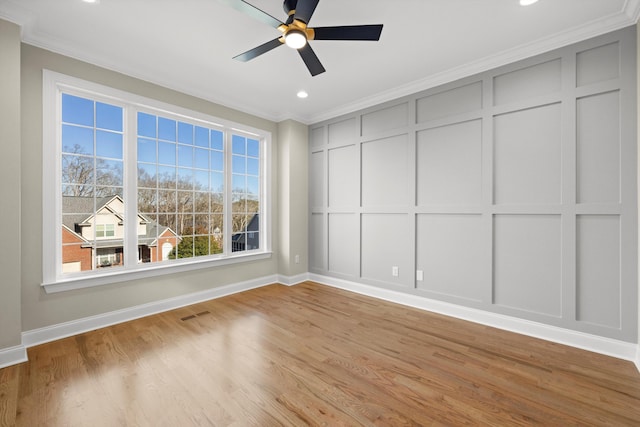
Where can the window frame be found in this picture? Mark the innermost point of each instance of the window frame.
(54, 84)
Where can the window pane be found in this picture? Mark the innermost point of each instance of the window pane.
(167, 201)
(217, 139)
(201, 202)
(217, 203)
(109, 172)
(77, 140)
(239, 204)
(185, 133)
(185, 202)
(253, 166)
(217, 160)
(146, 125)
(238, 242)
(253, 185)
(77, 170)
(147, 175)
(185, 155)
(147, 201)
(108, 117)
(166, 129)
(166, 176)
(217, 182)
(185, 179)
(239, 164)
(201, 158)
(253, 148)
(166, 153)
(239, 184)
(184, 224)
(109, 144)
(201, 180)
(77, 110)
(202, 137)
(146, 150)
(239, 145)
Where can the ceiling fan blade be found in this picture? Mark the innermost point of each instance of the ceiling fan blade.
(311, 60)
(305, 9)
(257, 51)
(253, 12)
(348, 32)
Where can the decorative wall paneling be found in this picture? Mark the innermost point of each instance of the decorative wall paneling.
(513, 191)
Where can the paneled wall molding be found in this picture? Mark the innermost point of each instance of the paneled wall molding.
(513, 191)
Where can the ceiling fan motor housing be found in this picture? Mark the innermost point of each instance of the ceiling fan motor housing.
(289, 6)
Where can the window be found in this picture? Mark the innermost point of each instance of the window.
(139, 186)
(103, 230)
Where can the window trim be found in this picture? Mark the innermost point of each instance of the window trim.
(53, 279)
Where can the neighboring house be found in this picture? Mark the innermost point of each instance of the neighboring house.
(249, 238)
(95, 240)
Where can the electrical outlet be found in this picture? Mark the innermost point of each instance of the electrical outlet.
(296, 259)
(419, 275)
(395, 272)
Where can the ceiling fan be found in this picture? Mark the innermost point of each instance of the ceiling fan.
(296, 33)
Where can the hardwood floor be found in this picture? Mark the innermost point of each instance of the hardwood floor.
(313, 355)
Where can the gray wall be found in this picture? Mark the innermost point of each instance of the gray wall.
(513, 191)
(10, 322)
(293, 188)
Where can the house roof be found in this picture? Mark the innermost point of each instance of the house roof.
(79, 210)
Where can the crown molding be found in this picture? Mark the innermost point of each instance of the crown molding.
(628, 16)
(632, 10)
(12, 11)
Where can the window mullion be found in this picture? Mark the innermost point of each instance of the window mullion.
(130, 189)
(228, 199)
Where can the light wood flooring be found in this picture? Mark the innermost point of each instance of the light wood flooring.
(313, 355)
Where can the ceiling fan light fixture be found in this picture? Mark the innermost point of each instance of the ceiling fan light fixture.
(295, 39)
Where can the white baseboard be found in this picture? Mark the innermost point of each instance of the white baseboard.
(12, 356)
(67, 329)
(607, 346)
(293, 280)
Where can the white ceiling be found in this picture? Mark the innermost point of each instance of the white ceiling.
(188, 45)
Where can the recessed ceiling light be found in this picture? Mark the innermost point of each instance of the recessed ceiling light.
(302, 94)
(91, 1)
(527, 2)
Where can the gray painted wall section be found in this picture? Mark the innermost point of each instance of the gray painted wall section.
(293, 185)
(10, 259)
(513, 191)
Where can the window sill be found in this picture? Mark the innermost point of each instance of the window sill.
(81, 282)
